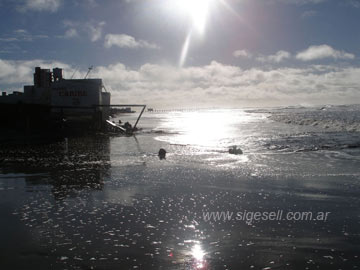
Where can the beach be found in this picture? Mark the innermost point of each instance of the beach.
(108, 202)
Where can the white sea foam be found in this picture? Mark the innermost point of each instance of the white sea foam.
(330, 118)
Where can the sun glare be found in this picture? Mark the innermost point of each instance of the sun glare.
(203, 128)
(185, 50)
(197, 10)
(198, 254)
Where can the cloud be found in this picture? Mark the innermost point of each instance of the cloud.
(95, 32)
(86, 3)
(321, 52)
(242, 54)
(8, 39)
(92, 29)
(354, 3)
(40, 5)
(308, 14)
(301, 2)
(71, 33)
(21, 35)
(21, 72)
(275, 58)
(126, 41)
(217, 84)
(214, 84)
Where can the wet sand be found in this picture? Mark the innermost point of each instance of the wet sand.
(96, 203)
(108, 202)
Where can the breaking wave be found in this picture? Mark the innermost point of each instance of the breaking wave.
(329, 118)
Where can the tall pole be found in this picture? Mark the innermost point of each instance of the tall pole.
(142, 111)
(89, 69)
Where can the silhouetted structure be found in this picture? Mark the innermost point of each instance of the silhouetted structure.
(53, 100)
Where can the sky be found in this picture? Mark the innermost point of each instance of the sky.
(190, 53)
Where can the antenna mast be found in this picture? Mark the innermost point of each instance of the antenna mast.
(89, 69)
(74, 73)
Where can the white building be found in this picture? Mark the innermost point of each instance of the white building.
(73, 98)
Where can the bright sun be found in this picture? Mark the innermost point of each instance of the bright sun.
(197, 10)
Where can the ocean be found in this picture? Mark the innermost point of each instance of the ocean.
(289, 201)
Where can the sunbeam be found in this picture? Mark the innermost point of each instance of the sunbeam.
(185, 50)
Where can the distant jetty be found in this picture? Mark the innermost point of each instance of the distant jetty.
(152, 110)
(114, 111)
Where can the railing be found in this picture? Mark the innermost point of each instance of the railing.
(93, 107)
(127, 105)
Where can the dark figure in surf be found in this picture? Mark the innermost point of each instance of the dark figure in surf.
(162, 153)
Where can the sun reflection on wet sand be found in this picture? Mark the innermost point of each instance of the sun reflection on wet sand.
(109, 203)
(198, 255)
(205, 128)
